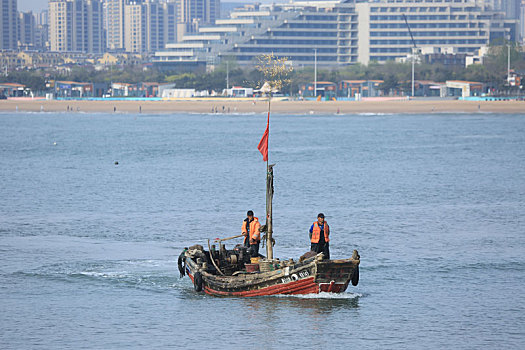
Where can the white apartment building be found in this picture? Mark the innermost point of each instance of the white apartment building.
(149, 26)
(134, 23)
(76, 26)
(459, 24)
(341, 32)
(114, 18)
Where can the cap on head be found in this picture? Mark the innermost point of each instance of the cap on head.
(320, 215)
(249, 213)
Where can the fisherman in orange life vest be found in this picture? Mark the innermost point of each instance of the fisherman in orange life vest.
(319, 236)
(251, 229)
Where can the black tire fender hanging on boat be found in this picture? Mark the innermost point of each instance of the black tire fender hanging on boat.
(180, 265)
(355, 277)
(197, 281)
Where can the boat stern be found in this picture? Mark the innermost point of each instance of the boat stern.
(333, 276)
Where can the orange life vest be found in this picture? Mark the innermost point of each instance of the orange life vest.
(316, 233)
(255, 234)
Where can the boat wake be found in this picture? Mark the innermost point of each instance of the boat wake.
(322, 295)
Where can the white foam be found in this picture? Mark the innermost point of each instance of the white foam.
(374, 113)
(104, 274)
(322, 295)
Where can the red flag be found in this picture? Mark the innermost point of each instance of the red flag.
(263, 144)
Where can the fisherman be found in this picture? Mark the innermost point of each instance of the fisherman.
(319, 236)
(251, 229)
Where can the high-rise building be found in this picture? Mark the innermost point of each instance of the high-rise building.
(94, 37)
(149, 26)
(510, 7)
(160, 26)
(114, 18)
(76, 25)
(522, 22)
(170, 25)
(42, 31)
(134, 22)
(42, 37)
(42, 18)
(194, 13)
(8, 25)
(26, 29)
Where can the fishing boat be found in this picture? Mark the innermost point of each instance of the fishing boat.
(234, 272)
(236, 277)
(222, 272)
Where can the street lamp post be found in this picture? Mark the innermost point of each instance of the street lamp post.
(413, 64)
(227, 78)
(508, 64)
(315, 73)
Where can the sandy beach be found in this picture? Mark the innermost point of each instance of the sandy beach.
(260, 106)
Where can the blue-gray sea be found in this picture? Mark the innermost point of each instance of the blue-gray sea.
(435, 205)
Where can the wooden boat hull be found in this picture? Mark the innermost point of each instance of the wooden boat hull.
(309, 277)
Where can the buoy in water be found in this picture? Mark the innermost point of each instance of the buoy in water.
(116, 162)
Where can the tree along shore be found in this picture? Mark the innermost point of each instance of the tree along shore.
(395, 76)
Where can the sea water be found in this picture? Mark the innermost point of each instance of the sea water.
(95, 209)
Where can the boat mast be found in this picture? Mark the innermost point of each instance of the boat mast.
(275, 74)
(269, 193)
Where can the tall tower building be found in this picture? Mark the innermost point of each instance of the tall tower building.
(60, 25)
(149, 25)
(94, 36)
(160, 24)
(134, 23)
(197, 12)
(26, 29)
(42, 31)
(114, 18)
(510, 7)
(76, 25)
(522, 22)
(42, 18)
(8, 25)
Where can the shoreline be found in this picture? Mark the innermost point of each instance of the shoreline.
(260, 106)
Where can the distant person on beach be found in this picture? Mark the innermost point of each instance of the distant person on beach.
(251, 230)
(320, 236)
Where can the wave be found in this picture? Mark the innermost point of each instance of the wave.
(153, 275)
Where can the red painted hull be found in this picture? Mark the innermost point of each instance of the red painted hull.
(307, 285)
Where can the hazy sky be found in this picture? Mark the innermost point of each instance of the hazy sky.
(39, 5)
